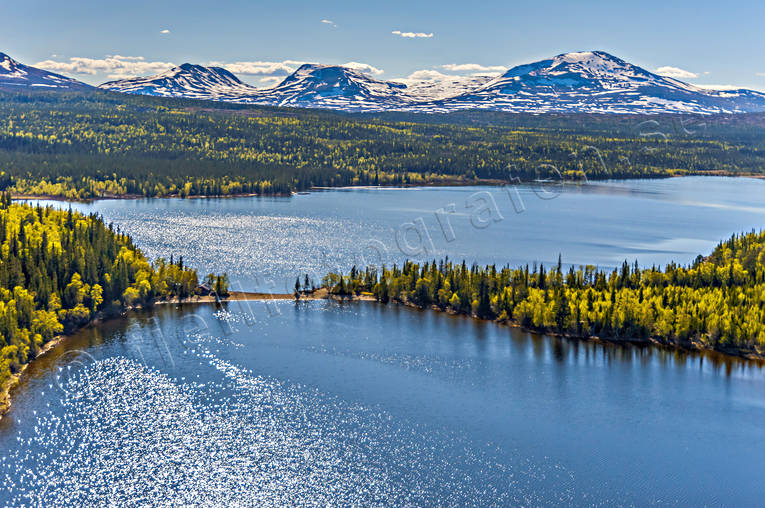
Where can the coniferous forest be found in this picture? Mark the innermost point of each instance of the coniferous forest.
(97, 144)
(60, 269)
(716, 303)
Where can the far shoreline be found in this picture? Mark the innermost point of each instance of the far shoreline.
(449, 183)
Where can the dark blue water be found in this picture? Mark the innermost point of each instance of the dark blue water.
(365, 404)
(273, 403)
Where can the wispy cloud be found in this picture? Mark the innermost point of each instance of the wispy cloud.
(412, 35)
(676, 72)
(114, 66)
(434, 76)
(270, 80)
(120, 67)
(472, 67)
(362, 67)
(283, 68)
(329, 22)
(261, 68)
(426, 75)
(164, 32)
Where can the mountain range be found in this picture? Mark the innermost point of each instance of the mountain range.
(582, 82)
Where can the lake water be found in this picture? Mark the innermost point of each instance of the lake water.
(265, 243)
(278, 403)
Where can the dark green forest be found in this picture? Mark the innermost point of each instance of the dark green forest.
(86, 145)
(716, 303)
(60, 269)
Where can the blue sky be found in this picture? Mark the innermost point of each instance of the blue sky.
(718, 43)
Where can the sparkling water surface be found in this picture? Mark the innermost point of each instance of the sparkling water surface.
(265, 243)
(319, 403)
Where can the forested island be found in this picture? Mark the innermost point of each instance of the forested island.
(100, 144)
(59, 270)
(717, 303)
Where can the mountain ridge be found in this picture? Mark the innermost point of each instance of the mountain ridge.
(577, 82)
(580, 82)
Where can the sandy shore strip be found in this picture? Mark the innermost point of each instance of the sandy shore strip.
(233, 296)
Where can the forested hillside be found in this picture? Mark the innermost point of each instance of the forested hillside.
(717, 303)
(84, 145)
(58, 269)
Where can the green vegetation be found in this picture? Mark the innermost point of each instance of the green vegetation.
(717, 303)
(59, 269)
(86, 145)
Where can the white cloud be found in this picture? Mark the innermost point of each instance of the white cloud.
(475, 68)
(270, 80)
(329, 22)
(434, 76)
(362, 67)
(427, 75)
(412, 35)
(283, 68)
(675, 72)
(761, 73)
(260, 68)
(114, 66)
(165, 31)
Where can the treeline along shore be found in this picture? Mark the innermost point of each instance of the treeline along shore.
(717, 303)
(60, 270)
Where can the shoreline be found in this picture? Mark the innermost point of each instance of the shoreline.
(754, 356)
(240, 296)
(447, 183)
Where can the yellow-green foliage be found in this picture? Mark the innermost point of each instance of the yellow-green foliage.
(84, 146)
(59, 268)
(718, 302)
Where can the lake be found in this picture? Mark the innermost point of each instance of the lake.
(265, 243)
(278, 403)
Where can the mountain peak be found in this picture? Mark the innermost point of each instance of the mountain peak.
(17, 75)
(216, 72)
(186, 80)
(596, 82)
(588, 56)
(8, 65)
(337, 87)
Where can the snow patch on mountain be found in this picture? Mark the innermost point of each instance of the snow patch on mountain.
(17, 75)
(581, 82)
(594, 82)
(335, 87)
(436, 86)
(187, 80)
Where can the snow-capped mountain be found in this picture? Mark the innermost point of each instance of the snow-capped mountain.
(311, 86)
(16, 75)
(590, 82)
(187, 80)
(335, 87)
(595, 82)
